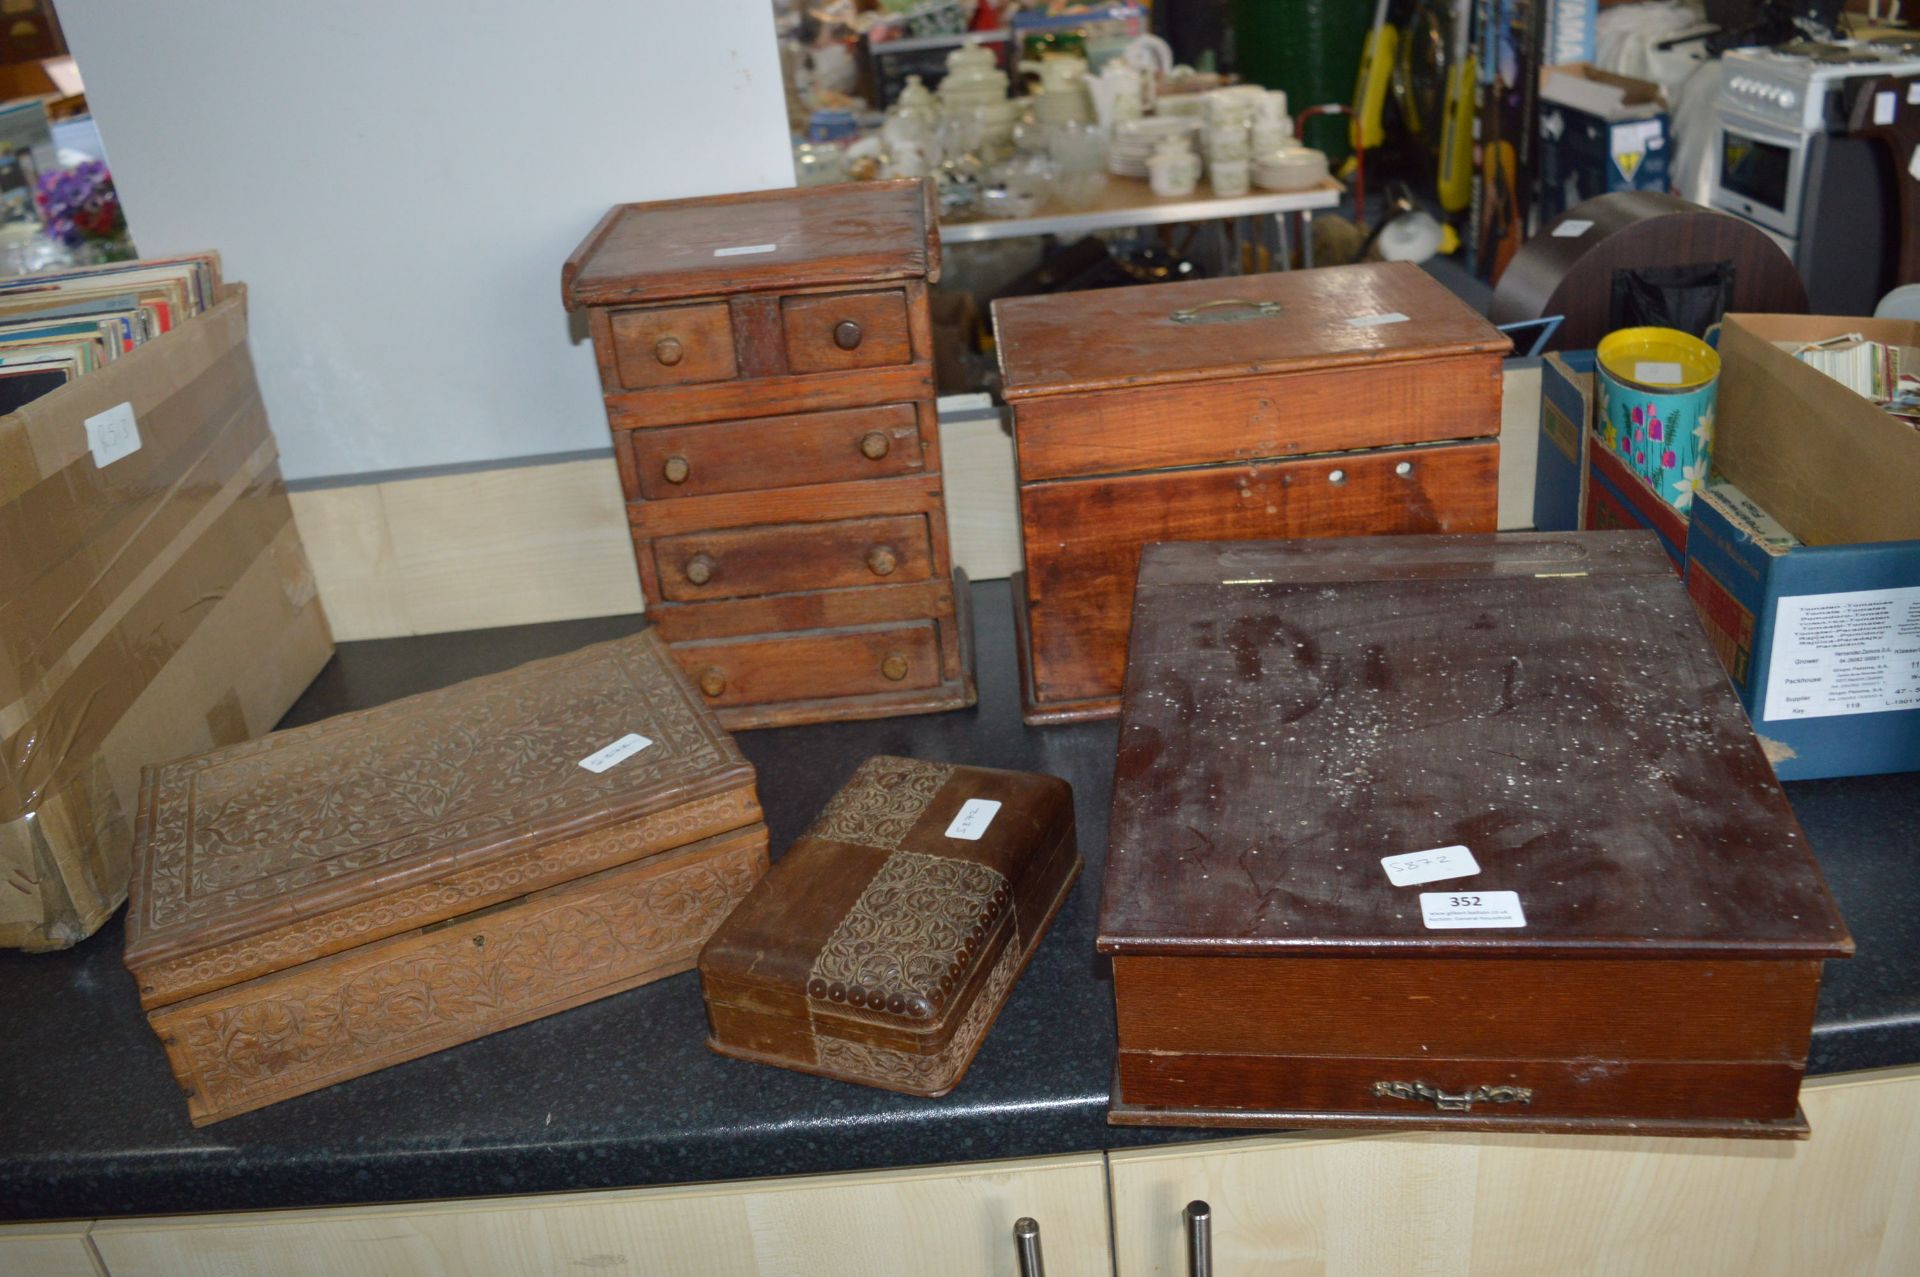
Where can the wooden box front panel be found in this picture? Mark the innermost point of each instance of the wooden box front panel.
(1156, 427)
(810, 610)
(666, 462)
(411, 995)
(741, 562)
(1082, 537)
(673, 345)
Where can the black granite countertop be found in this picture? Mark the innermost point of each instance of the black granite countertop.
(623, 1092)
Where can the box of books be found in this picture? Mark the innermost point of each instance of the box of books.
(155, 600)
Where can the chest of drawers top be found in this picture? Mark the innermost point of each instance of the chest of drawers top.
(716, 246)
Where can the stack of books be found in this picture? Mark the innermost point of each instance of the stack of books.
(59, 326)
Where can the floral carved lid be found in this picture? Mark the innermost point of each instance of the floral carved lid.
(249, 837)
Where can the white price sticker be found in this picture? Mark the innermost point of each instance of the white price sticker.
(1411, 868)
(1658, 373)
(744, 250)
(1883, 107)
(619, 752)
(1913, 93)
(1459, 910)
(112, 434)
(1375, 321)
(973, 818)
(1572, 229)
(1853, 652)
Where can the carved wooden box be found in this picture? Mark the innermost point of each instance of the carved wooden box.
(767, 362)
(1460, 832)
(336, 898)
(1351, 400)
(885, 941)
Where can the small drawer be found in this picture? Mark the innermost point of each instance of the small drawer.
(832, 331)
(814, 666)
(740, 562)
(673, 345)
(775, 452)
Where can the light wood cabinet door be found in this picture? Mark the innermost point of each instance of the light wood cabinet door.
(930, 1223)
(1842, 1202)
(46, 1250)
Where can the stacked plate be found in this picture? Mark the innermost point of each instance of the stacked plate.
(1134, 140)
(1291, 168)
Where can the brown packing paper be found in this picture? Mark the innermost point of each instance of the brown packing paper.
(157, 607)
(1763, 443)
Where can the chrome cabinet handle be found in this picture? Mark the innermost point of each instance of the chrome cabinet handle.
(1199, 1219)
(1026, 1242)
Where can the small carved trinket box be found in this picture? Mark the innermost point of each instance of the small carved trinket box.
(327, 901)
(885, 941)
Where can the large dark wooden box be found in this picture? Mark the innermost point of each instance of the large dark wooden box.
(885, 941)
(1339, 402)
(333, 899)
(1638, 945)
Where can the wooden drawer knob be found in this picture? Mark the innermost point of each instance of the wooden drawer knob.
(846, 334)
(894, 666)
(881, 560)
(699, 569)
(669, 351)
(713, 680)
(676, 469)
(874, 445)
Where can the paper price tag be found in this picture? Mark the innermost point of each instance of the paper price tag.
(1375, 321)
(1411, 868)
(113, 434)
(613, 755)
(1459, 910)
(744, 250)
(1573, 229)
(1658, 373)
(1883, 106)
(973, 818)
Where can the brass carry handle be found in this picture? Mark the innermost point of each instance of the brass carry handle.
(1026, 1244)
(1199, 1221)
(1456, 1101)
(1252, 309)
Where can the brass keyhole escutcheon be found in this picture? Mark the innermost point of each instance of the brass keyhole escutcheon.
(699, 569)
(846, 334)
(669, 351)
(676, 469)
(882, 560)
(713, 680)
(874, 445)
(894, 666)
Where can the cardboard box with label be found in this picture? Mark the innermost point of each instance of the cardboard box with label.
(1804, 562)
(155, 601)
(1599, 132)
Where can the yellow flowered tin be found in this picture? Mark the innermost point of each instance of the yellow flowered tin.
(1657, 388)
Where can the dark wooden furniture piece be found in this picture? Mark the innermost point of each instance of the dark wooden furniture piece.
(327, 901)
(886, 940)
(1889, 109)
(767, 361)
(1639, 947)
(1572, 274)
(1356, 399)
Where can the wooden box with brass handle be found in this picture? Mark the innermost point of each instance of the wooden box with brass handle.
(1356, 399)
(767, 364)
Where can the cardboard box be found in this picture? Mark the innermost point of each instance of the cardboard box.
(157, 606)
(1599, 132)
(1559, 466)
(1831, 466)
(1822, 642)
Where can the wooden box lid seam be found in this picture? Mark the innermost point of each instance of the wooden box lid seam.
(357, 807)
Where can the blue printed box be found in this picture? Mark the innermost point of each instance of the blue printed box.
(1559, 468)
(1822, 642)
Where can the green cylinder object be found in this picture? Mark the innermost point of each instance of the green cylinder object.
(1311, 50)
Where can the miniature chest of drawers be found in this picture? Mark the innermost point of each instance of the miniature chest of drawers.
(1348, 401)
(767, 361)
